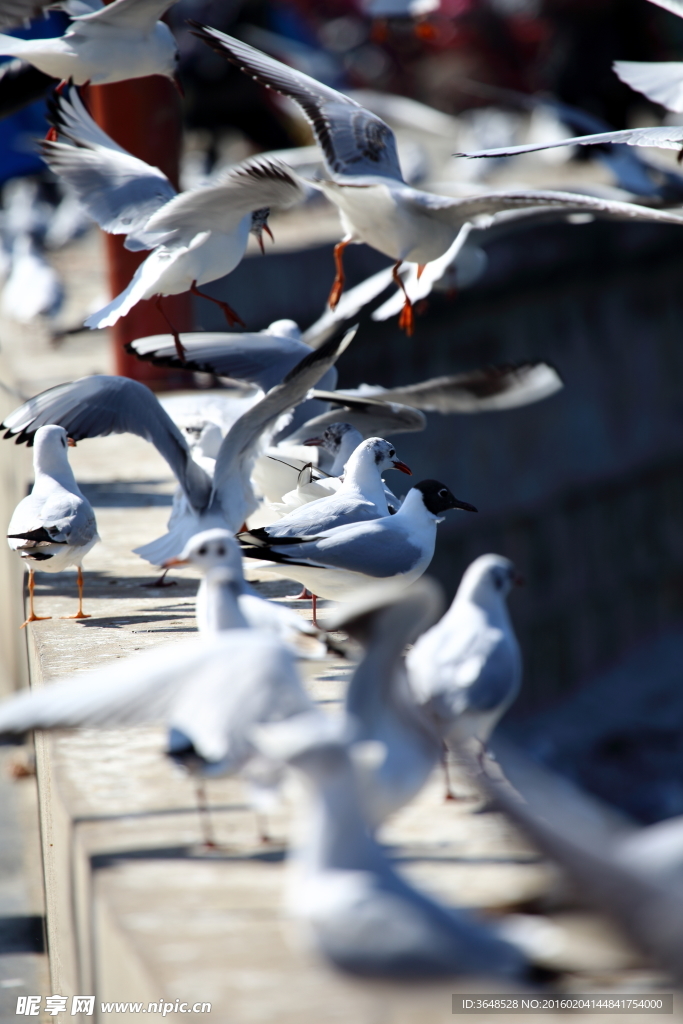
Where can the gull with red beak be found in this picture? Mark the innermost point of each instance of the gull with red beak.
(54, 526)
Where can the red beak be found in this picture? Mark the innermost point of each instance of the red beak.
(170, 562)
(397, 464)
(314, 442)
(70, 442)
(267, 230)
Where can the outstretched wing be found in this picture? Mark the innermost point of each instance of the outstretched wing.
(659, 81)
(485, 390)
(664, 137)
(262, 359)
(371, 416)
(119, 191)
(355, 142)
(249, 186)
(99, 405)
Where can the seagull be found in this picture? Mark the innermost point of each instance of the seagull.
(376, 206)
(359, 498)
(55, 525)
(100, 405)
(629, 873)
(339, 562)
(466, 671)
(33, 287)
(216, 553)
(360, 914)
(195, 237)
(395, 747)
(123, 40)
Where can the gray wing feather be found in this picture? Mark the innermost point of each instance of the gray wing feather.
(260, 359)
(371, 416)
(15, 12)
(141, 14)
(354, 141)
(664, 137)
(119, 191)
(99, 405)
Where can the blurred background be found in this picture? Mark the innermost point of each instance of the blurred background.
(584, 491)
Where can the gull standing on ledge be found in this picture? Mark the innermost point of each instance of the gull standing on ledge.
(55, 525)
(366, 184)
(195, 237)
(108, 44)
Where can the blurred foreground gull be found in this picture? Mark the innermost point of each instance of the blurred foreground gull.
(99, 405)
(360, 497)
(54, 527)
(466, 670)
(366, 183)
(359, 913)
(395, 747)
(340, 562)
(105, 44)
(214, 552)
(196, 236)
(634, 875)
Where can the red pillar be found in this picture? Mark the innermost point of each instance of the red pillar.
(143, 116)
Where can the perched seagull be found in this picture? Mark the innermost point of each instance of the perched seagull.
(215, 553)
(467, 669)
(55, 525)
(360, 914)
(338, 563)
(123, 40)
(338, 441)
(33, 287)
(366, 184)
(195, 237)
(359, 498)
(100, 405)
(395, 747)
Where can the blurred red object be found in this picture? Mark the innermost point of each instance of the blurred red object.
(143, 116)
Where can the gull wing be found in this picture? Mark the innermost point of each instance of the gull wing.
(355, 142)
(262, 359)
(371, 416)
(14, 13)
(130, 14)
(249, 186)
(485, 390)
(133, 691)
(99, 405)
(119, 191)
(584, 837)
(659, 81)
(663, 137)
(485, 207)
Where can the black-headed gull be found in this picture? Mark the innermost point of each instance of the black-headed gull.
(195, 236)
(213, 551)
(376, 205)
(110, 44)
(359, 913)
(340, 562)
(360, 497)
(467, 669)
(54, 527)
(100, 405)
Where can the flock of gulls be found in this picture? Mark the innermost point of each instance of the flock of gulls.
(288, 472)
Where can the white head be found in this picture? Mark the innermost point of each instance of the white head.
(50, 449)
(204, 437)
(284, 329)
(380, 452)
(210, 549)
(488, 580)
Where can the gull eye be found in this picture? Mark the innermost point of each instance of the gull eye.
(443, 493)
(202, 550)
(220, 550)
(392, 452)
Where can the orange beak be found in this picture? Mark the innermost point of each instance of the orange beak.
(397, 464)
(71, 443)
(170, 562)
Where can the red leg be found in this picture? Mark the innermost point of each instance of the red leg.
(314, 604)
(230, 315)
(406, 320)
(338, 286)
(162, 581)
(303, 596)
(176, 337)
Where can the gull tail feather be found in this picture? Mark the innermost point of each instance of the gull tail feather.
(137, 289)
